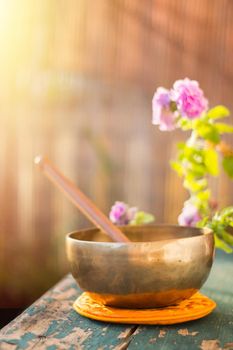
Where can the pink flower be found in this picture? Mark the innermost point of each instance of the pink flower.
(162, 114)
(189, 215)
(121, 214)
(189, 98)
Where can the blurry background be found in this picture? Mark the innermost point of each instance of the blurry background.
(76, 83)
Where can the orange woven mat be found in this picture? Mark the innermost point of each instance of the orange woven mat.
(191, 309)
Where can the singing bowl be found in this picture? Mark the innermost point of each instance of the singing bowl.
(163, 265)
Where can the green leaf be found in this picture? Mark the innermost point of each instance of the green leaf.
(228, 165)
(204, 195)
(227, 212)
(177, 167)
(198, 170)
(211, 161)
(224, 218)
(222, 245)
(181, 145)
(218, 112)
(195, 185)
(203, 223)
(142, 218)
(185, 124)
(208, 131)
(228, 238)
(224, 128)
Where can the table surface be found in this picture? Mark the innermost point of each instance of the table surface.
(51, 323)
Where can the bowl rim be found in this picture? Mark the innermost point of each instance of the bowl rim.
(204, 231)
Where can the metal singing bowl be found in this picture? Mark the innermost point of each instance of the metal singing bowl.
(163, 264)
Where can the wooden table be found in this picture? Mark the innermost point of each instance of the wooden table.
(51, 323)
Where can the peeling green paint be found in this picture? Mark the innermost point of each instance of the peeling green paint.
(34, 309)
(52, 328)
(51, 347)
(22, 343)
